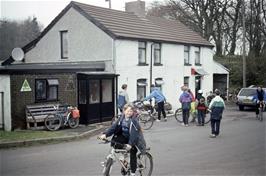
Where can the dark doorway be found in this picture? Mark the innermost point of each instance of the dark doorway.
(96, 97)
(197, 84)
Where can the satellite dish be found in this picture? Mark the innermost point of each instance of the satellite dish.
(17, 54)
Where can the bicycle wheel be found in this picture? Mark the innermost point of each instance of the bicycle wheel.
(178, 115)
(145, 164)
(108, 166)
(52, 122)
(146, 121)
(73, 122)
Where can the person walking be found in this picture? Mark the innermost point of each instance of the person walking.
(126, 130)
(201, 107)
(185, 99)
(159, 99)
(122, 97)
(216, 108)
(259, 97)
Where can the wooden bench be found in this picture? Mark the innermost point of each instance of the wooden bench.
(36, 114)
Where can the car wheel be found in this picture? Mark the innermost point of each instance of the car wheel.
(241, 108)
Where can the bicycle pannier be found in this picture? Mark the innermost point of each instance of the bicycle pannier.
(75, 113)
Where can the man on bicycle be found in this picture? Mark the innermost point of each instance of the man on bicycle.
(259, 97)
(159, 99)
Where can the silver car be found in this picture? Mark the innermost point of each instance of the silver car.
(245, 96)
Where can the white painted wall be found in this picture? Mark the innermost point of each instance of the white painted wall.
(172, 70)
(5, 110)
(86, 42)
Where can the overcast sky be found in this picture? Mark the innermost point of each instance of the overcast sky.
(47, 10)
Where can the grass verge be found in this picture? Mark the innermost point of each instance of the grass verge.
(6, 136)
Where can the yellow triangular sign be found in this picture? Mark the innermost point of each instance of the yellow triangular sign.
(25, 86)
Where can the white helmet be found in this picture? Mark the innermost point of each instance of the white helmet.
(200, 91)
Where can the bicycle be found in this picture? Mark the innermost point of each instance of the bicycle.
(68, 116)
(179, 117)
(144, 160)
(261, 109)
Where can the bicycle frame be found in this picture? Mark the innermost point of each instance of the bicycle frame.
(114, 155)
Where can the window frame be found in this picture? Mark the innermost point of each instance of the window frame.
(144, 81)
(186, 83)
(62, 46)
(197, 53)
(157, 50)
(187, 50)
(143, 49)
(47, 90)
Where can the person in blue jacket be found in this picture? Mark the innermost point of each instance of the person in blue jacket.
(127, 131)
(259, 97)
(159, 99)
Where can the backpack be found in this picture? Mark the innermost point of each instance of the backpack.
(121, 101)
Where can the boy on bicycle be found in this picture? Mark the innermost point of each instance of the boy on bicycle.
(126, 130)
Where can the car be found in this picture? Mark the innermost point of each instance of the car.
(245, 96)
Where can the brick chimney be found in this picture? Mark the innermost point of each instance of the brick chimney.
(137, 7)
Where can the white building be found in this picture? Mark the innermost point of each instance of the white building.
(141, 50)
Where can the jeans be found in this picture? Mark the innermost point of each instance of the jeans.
(215, 125)
(201, 117)
(161, 109)
(185, 113)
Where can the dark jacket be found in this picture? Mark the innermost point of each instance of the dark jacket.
(217, 107)
(136, 137)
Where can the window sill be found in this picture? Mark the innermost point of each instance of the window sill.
(43, 101)
(142, 64)
(158, 64)
(187, 64)
(198, 64)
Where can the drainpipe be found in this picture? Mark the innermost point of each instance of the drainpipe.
(151, 65)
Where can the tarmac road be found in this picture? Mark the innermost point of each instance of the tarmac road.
(177, 150)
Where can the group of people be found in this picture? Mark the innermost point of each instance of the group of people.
(215, 107)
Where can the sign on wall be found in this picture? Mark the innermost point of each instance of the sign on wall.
(25, 86)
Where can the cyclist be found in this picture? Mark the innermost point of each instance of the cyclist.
(159, 99)
(185, 99)
(122, 97)
(259, 97)
(126, 130)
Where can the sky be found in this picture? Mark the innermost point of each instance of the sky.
(46, 10)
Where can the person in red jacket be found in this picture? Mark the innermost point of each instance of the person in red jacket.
(201, 107)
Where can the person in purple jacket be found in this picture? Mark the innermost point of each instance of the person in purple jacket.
(185, 99)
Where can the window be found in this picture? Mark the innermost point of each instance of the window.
(82, 92)
(186, 81)
(186, 55)
(197, 55)
(64, 44)
(94, 89)
(107, 90)
(142, 52)
(158, 83)
(157, 53)
(46, 89)
(141, 88)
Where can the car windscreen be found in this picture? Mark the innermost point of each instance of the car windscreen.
(247, 92)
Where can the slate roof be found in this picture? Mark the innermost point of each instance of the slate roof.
(128, 25)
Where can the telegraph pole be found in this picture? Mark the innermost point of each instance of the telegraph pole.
(244, 44)
(109, 3)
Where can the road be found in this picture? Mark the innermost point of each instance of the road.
(177, 150)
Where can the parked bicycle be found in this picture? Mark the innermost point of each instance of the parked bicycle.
(144, 161)
(146, 118)
(69, 116)
(192, 118)
(261, 109)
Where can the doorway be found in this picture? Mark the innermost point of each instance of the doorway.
(96, 98)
